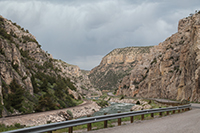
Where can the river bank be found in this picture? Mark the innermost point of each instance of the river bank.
(35, 119)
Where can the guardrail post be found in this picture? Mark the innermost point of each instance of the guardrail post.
(119, 120)
(174, 111)
(142, 117)
(89, 125)
(167, 112)
(160, 113)
(105, 122)
(179, 111)
(132, 117)
(152, 115)
(49, 132)
(70, 130)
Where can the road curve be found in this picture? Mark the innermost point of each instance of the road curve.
(187, 122)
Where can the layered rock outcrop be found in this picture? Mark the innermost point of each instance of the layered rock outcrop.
(169, 70)
(174, 69)
(115, 65)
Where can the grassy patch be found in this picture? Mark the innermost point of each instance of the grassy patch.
(8, 128)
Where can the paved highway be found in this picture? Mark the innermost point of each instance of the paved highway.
(187, 122)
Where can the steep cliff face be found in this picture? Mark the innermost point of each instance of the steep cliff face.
(174, 68)
(117, 64)
(28, 71)
(168, 70)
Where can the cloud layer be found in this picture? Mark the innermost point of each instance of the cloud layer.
(82, 32)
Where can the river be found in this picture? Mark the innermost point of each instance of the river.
(114, 108)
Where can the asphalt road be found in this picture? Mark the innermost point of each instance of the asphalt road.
(187, 122)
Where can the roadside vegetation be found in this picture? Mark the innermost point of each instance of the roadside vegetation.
(12, 127)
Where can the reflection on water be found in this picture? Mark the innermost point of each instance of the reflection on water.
(114, 108)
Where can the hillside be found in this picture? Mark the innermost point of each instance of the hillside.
(169, 70)
(115, 65)
(31, 80)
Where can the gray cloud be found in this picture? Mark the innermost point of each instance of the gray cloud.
(82, 32)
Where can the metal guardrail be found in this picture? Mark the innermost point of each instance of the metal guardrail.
(89, 120)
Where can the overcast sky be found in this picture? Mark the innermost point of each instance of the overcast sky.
(81, 32)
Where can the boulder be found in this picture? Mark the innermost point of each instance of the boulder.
(137, 107)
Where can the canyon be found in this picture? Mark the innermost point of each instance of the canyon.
(169, 70)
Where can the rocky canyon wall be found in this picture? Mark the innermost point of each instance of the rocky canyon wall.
(168, 70)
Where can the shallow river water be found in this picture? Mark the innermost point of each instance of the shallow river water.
(114, 108)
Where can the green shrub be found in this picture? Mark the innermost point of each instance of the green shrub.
(70, 84)
(25, 54)
(69, 101)
(171, 71)
(154, 61)
(48, 65)
(46, 102)
(62, 103)
(171, 58)
(102, 103)
(40, 67)
(2, 51)
(1, 108)
(34, 84)
(18, 125)
(28, 39)
(149, 102)
(1, 19)
(122, 97)
(16, 96)
(176, 68)
(4, 34)
(70, 113)
(15, 66)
